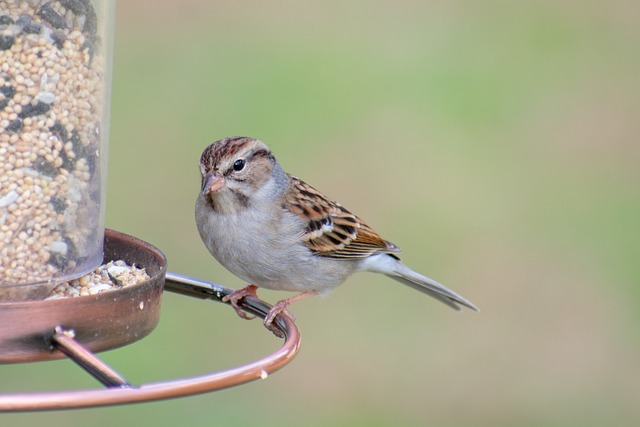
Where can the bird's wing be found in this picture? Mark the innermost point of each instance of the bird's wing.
(332, 231)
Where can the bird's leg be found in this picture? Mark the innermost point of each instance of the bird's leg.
(237, 295)
(281, 307)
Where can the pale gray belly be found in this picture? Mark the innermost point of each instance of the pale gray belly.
(270, 256)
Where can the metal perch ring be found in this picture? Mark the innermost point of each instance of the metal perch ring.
(118, 390)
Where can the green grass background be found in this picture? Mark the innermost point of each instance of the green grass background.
(496, 142)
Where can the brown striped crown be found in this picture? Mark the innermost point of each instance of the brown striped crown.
(214, 156)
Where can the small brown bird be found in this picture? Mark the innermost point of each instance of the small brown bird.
(277, 232)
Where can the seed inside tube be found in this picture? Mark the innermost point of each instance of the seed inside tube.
(52, 89)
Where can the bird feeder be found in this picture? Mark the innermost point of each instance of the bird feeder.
(68, 287)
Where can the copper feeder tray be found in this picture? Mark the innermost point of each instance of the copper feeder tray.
(78, 327)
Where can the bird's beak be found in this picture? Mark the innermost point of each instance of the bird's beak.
(212, 183)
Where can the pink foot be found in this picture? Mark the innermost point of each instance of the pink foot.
(234, 297)
(278, 308)
(281, 308)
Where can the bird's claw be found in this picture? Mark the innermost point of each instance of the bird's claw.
(278, 308)
(234, 297)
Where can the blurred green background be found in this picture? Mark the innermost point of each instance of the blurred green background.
(496, 142)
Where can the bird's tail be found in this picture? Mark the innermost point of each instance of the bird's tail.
(394, 268)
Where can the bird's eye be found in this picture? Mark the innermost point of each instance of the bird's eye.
(238, 165)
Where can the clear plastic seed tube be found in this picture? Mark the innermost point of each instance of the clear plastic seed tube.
(55, 73)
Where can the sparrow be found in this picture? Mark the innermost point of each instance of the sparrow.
(275, 231)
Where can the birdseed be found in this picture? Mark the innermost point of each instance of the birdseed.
(52, 102)
(108, 277)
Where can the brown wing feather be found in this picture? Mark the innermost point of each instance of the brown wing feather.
(332, 230)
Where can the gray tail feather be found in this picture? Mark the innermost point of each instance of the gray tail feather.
(430, 287)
